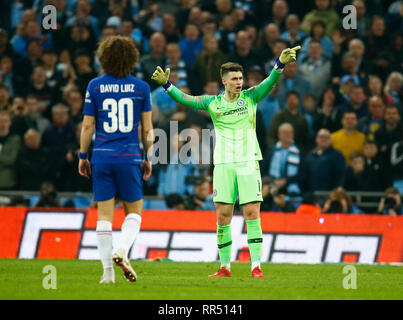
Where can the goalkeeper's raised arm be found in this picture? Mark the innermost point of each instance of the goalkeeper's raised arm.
(194, 102)
(263, 89)
(201, 102)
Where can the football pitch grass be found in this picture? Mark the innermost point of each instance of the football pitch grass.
(167, 280)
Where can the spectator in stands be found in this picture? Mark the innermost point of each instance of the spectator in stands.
(348, 70)
(32, 31)
(375, 87)
(111, 28)
(292, 81)
(357, 48)
(172, 178)
(272, 200)
(348, 139)
(20, 122)
(363, 22)
(5, 99)
(226, 34)
(5, 46)
(310, 112)
(128, 29)
(270, 106)
(376, 39)
(354, 178)
(329, 115)
(84, 71)
(207, 65)
(33, 165)
(155, 58)
(54, 77)
(316, 68)
(391, 204)
(72, 181)
(243, 53)
(175, 201)
(192, 45)
(223, 8)
(9, 147)
(40, 89)
(389, 133)
(15, 81)
(202, 198)
(80, 37)
(279, 13)
(309, 205)
(174, 61)
(254, 76)
(34, 115)
(397, 50)
(338, 202)
(74, 101)
(83, 16)
(267, 204)
(394, 89)
(271, 34)
(169, 28)
(295, 118)
(282, 161)
(24, 65)
(317, 33)
(209, 26)
(357, 103)
(57, 137)
(293, 34)
(323, 168)
(48, 196)
(369, 124)
(374, 168)
(323, 12)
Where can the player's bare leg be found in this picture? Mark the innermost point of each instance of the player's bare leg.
(251, 213)
(130, 230)
(224, 238)
(104, 238)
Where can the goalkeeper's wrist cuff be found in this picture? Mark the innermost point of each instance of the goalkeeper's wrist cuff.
(279, 66)
(83, 156)
(167, 85)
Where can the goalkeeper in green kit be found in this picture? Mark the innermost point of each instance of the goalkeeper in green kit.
(236, 152)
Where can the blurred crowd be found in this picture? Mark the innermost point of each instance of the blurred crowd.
(333, 122)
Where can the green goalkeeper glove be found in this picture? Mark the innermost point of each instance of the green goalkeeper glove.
(161, 77)
(289, 55)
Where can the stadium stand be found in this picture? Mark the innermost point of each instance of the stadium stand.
(44, 75)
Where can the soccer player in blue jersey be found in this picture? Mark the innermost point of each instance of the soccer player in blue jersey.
(115, 105)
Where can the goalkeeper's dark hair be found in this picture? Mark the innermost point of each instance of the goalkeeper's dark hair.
(118, 56)
(230, 67)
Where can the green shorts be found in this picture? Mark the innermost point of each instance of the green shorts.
(244, 178)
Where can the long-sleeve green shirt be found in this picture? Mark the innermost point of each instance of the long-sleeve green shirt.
(234, 122)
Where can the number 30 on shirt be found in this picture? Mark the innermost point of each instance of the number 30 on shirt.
(117, 115)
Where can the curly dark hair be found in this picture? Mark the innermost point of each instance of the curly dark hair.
(118, 55)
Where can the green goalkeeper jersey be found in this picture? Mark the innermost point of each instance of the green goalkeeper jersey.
(234, 122)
